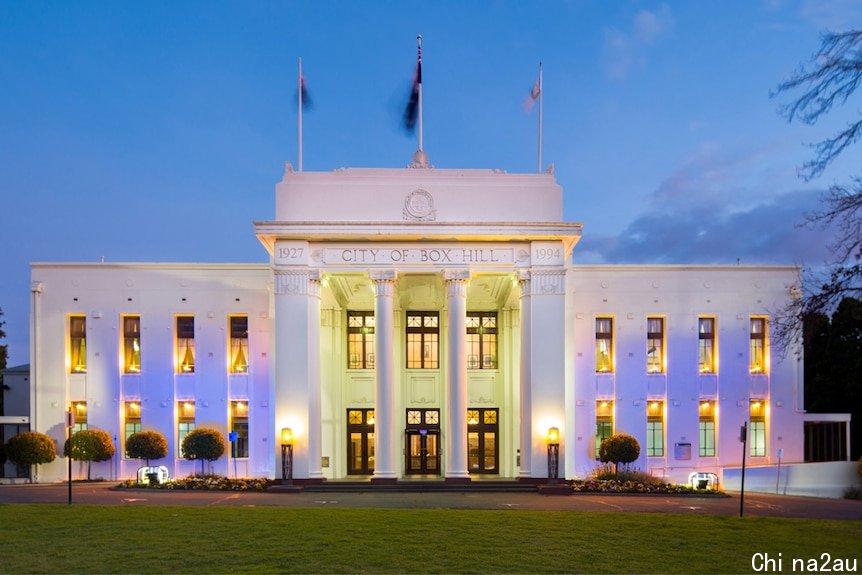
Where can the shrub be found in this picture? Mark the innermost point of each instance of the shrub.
(606, 472)
(2, 455)
(147, 445)
(619, 448)
(205, 444)
(859, 469)
(31, 448)
(89, 445)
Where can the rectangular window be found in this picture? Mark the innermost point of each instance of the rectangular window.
(423, 339)
(604, 345)
(360, 340)
(185, 344)
(757, 429)
(655, 345)
(185, 422)
(604, 422)
(132, 344)
(707, 429)
(78, 344)
(757, 355)
(239, 425)
(79, 408)
(655, 429)
(706, 344)
(132, 419)
(481, 340)
(238, 344)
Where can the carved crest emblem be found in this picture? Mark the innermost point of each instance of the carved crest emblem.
(419, 206)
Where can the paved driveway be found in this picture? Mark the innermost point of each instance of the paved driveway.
(755, 504)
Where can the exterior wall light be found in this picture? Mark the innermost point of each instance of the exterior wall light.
(553, 454)
(286, 454)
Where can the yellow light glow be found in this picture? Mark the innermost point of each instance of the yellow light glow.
(286, 436)
(604, 404)
(240, 406)
(654, 405)
(80, 407)
(371, 419)
(553, 435)
(135, 406)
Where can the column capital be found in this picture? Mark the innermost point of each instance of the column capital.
(383, 282)
(297, 281)
(548, 282)
(456, 275)
(383, 276)
(456, 282)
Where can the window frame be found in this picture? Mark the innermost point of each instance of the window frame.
(483, 332)
(758, 346)
(131, 416)
(80, 409)
(706, 346)
(422, 330)
(604, 418)
(659, 349)
(77, 341)
(239, 421)
(757, 428)
(132, 345)
(238, 344)
(706, 430)
(602, 336)
(655, 429)
(184, 344)
(185, 422)
(367, 358)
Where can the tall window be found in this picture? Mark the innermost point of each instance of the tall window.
(132, 344)
(706, 344)
(78, 344)
(482, 445)
(707, 429)
(757, 355)
(185, 344)
(360, 441)
(481, 340)
(655, 429)
(604, 345)
(604, 422)
(185, 422)
(239, 344)
(132, 419)
(79, 408)
(423, 338)
(757, 429)
(239, 425)
(655, 345)
(360, 340)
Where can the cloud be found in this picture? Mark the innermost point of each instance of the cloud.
(621, 48)
(834, 15)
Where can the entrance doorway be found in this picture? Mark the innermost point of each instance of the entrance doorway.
(360, 441)
(423, 442)
(482, 445)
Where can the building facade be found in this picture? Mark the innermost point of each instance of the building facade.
(418, 323)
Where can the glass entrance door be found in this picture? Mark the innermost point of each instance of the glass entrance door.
(482, 448)
(423, 442)
(360, 441)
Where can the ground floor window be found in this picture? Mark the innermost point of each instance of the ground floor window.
(239, 427)
(655, 429)
(360, 441)
(132, 419)
(79, 409)
(482, 444)
(757, 430)
(604, 422)
(707, 429)
(825, 441)
(423, 441)
(185, 423)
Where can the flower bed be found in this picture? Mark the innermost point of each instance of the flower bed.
(616, 486)
(206, 482)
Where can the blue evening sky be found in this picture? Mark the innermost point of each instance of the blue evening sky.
(155, 131)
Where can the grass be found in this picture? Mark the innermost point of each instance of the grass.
(110, 539)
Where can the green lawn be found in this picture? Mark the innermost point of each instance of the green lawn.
(111, 539)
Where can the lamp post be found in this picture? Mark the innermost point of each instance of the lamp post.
(287, 455)
(553, 454)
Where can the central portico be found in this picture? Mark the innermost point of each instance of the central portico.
(420, 322)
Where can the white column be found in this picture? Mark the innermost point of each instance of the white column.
(456, 429)
(526, 356)
(384, 376)
(315, 427)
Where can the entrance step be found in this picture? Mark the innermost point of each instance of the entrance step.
(414, 486)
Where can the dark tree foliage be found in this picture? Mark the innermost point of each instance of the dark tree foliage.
(619, 448)
(205, 444)
(831, 78)
(833, 365)
(4, 350)
(89, 445)
(146, 445)
(31, 448)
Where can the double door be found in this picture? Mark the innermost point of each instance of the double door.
(423, 442)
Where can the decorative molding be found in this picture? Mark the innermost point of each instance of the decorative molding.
(524, 283)
(297, 282)
(548, 282)
(456, 282)
(419, 206)
(383, 282)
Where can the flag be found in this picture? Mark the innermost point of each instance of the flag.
(303, 93)
(530, 100)
(411, 113)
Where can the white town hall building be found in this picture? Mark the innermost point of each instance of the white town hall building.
(418, 322)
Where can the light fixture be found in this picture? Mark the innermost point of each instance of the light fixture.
(553, 454)
(286, 436)
(286, 455)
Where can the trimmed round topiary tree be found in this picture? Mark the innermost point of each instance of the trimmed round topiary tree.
(146, 445)
(89, 445)
(31, 448)
(619, 448)
(205, 444)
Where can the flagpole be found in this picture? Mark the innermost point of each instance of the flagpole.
(541, 95)
(419, 52)
(300, 114)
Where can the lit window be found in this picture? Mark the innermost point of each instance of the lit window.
(132, 344)
(239, 425)
(482, 445)
(185, 421)
(78, 344)
(604, 422)
(132, 419)
(655, 429)
(185, 344)
(757, 355)
(79, 408)
(707, 429)
(360, 340)
(604, 345)
(655, 345)
(706, 344)
(239, 344)
(481, 340)
(423, 334)
(757, 429)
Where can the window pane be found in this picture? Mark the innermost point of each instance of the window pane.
(132, 344)
(78, 344)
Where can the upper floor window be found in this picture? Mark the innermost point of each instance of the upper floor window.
(78, 344)
(360, 340)
(706, 344)
(481, 340)
(757, 355)
(185, 344)
(655, 345)
(239, 344)
(604, 345)
(132, 344)
(423, 339)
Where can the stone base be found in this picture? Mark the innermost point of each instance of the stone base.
(384, 480)
(555, 489)
(460, 480)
